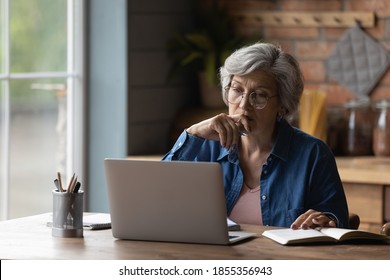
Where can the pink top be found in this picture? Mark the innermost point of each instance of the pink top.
(247, 208)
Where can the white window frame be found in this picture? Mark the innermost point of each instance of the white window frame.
(75, 96)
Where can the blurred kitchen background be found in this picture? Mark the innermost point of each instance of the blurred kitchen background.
(97, 74)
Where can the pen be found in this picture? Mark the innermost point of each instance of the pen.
(60, 182)
(77, 187)
(56, 184)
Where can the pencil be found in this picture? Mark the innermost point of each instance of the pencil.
(70, 184)
(60, 181)
(73, 185)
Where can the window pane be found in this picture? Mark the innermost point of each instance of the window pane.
(2, 143)
(2, 36)
(37, 143)
(38, 35)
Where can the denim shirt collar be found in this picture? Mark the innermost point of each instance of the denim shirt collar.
(283, 140)
(280, 148)
(231, 154)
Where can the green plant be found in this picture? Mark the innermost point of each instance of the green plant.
(207, 45)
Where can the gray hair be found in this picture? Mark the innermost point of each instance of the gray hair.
(283, 67)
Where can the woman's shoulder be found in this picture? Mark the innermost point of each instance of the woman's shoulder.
(300, 134)
(299, 139)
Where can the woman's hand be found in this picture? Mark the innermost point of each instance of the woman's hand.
(312, 219)
(223, 128)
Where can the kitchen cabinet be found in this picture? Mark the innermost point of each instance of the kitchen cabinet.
(366, 183)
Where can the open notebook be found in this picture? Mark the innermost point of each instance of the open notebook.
(288, 236)
(168, 201)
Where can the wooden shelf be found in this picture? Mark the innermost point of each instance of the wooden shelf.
(305, 19)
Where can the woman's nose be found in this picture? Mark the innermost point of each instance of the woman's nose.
(245, 103)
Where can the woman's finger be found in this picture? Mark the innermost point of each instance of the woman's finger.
(226, 129)
(308, 220)
(241, 122)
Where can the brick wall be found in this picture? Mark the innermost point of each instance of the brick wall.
(153, 101)
(312, 45)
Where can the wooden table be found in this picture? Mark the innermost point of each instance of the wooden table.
(29, 238)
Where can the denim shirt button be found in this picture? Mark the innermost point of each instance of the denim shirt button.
(263, 197)
(265, 171)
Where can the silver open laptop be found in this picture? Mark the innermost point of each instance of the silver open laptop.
(168, 201)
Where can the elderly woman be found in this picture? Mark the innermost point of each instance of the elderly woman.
(274, 174)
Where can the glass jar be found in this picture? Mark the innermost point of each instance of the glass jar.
(381, 133)
(335, 129)
(358, 130)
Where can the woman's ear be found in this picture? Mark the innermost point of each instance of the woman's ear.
(282, 112)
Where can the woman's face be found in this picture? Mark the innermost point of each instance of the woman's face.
(260, 120)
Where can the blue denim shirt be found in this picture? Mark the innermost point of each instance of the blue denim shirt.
(299, 174)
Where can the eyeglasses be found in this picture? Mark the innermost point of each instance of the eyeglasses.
(258, 99)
